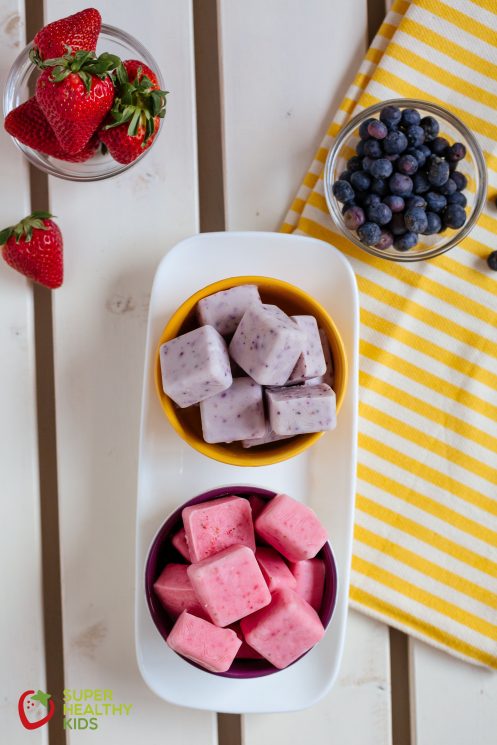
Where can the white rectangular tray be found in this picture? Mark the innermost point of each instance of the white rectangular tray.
(170, 472)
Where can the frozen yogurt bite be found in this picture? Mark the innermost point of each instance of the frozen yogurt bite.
(224, 310)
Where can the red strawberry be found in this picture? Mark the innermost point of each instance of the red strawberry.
(139, 105)
(34, 248)
(27, 124)
(76, 95)
(79, 31)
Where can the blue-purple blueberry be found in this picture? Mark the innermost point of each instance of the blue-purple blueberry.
(386, 240)
(460, 180)
(454, 216)
(391, 116)
(400, 184)
(379, 186)
(372, 148)
(395, 142)
(363, 128)
(438, 170)
(377, 129)
(435, 202)
(492, 261)
(397, 225)
(433, 223)
(406, 241)
(381, 168)
(415, 220)
(439, 145)
(456, 152)
(369, 233)
(416, 200)
(354, 217)
(457, 198)
(420, 183)
(415, 135)
(354, 164)
(343, 191)
(448, 188)
(410, 117)
(395, 202)
(407, 164)
(344, 176)
(379, 213)
(431, 127)
(360, 180)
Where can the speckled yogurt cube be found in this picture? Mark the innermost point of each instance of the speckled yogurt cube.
(235, 414)
(224, 310)
(195, 366)
(311, 363)
(301, 409)
(267, 344)
(329, 373)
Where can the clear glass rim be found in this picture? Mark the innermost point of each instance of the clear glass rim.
(49, 168)
(441, 113)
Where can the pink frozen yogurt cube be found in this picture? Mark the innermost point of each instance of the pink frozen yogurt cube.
(230, 585)
(179, 542)
(257, 504)
(285, 630)
(311, 362)
(291, 528)
(275, 570)
(213, 526)
(195, 366)
(309, 577)
(203, 643)
(245, 652)
(267, 344)
(175, 591)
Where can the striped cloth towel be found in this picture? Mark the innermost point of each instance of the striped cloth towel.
(425, 550)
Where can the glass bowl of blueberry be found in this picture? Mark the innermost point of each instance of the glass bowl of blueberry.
(405, 180)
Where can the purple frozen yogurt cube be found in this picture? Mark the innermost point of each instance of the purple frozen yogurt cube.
(329, 376)
(301, 409)
(195, 366)
(224, 309)
(268, 436)
(234, 414)
(267, 344)
(311, 363)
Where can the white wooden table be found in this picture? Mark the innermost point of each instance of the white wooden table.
(284, 66)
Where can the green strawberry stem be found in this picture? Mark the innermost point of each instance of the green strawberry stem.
(85, 64)
(24, 228)
(137, 102)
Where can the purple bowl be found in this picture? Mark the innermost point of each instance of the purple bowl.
(162, 552)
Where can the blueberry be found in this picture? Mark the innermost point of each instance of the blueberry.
(407, 164)
(367, 162)
(425, 150)
(439, 145)
(381, 168)
(434, 223)
(354, 164)
(372, 148)
(397, 225)
(435, 202)
(438, 170)
(431, 128)
(347, 206)
(343, 191)
(460, 180)
(344, 176)
(448, 188)
(415, 220)
(415, 135)
(392, 157)
(379, 213)
(395, 142)
(406, 241)
(360, 149)
(369, 233)
(420, 183)
(377, 129)
(456, 152)
(492, 261)
(457, 198)
(379, 186)
(415, 201)
(418, 154)
(391, 116)
(354, 217)
(400, 184)
(370, 199)
(360, 180)
(363, 128)
(386, 240)
(395, 202)
(454, 216)
(410, 117)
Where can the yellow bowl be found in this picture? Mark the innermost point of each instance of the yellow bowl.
(186, 422)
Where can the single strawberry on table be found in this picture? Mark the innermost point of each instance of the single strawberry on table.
(79, 31)
(28, 124)
(133, 121)
(34, 248)
(75, 92)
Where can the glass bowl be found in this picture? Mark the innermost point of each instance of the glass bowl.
(19, 87)
(473, 167)
(162, 552)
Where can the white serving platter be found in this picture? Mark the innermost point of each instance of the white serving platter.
(170, 472)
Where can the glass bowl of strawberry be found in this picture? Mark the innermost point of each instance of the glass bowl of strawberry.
(84, 101)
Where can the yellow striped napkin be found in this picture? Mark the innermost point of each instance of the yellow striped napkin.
(425, 551)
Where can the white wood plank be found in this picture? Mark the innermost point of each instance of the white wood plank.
(452, 702)
(285, 67)
(21, 639)
(115, 233)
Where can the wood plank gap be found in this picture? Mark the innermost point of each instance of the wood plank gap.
(399, 675)
(209, 127)
(47, 453)
(376, 13)
(229, 728)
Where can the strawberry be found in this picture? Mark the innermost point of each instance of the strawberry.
(27, 123)
(34, 248)
(79, 31)
(75, 92)
(133, 122)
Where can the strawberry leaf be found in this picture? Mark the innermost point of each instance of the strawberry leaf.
(5, 235)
